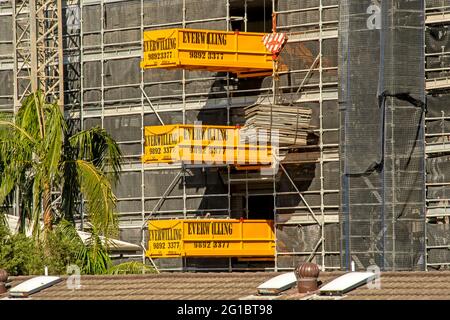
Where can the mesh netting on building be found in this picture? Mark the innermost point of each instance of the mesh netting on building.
(382, 98)
(315, 177)
(438, 178)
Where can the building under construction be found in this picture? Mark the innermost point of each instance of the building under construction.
(371, 183)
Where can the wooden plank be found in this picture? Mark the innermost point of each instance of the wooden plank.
(291, 123)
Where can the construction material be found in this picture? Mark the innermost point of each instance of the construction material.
(288, 124)
(211, 238)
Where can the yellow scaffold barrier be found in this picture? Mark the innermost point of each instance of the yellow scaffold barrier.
(243, 53)
(200, 144)
(211, 238)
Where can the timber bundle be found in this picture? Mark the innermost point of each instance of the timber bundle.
(290, 123)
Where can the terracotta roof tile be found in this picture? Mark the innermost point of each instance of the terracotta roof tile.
(224, 286)
(407, 286)
(165, 286)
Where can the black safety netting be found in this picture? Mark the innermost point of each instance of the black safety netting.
(438, 178)
(382, 139)
(6, 38)
(6, 53)
(438, 241)
(122, 31)
(309, 17)
(6, 90)
(437, 44)
(310, 67)
(301, 240)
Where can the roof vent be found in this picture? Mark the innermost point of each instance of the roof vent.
(347, 282)
(307, 275)
(33, 285)
(3, 279)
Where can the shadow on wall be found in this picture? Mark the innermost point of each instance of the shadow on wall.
(208, 181)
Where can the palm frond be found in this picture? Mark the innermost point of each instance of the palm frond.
(100, 199)
(20, 130)
(97, 146)
(29, 115)
(15, 155)
(67, 229)
(70, 194)
(53, 140)
(26, 203)
(39, 154)
(36, 209)
(12, 170)
(93, 256)
(7, 184)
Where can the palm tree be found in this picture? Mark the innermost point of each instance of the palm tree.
(51, 167)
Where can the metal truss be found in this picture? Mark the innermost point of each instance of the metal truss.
(38, 49)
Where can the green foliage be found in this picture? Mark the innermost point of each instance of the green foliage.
(22, 255)
(39, 154)
(19, 255)
(63, 244)
(93, 257)
(132, 267)
(100, 199)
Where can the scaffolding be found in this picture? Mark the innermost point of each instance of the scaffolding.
(309, 231)
(37, 49)
(381, 94)
(31, 51)
(93, 47)
(104, 86)
(437, 68)
(31, 54)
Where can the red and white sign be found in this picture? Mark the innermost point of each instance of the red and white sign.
(274, 42)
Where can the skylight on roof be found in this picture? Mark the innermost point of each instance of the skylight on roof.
(278, 284)
(347, 282)
(33, 285)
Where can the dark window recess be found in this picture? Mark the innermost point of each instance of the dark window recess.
(260, 207)
(259, 15)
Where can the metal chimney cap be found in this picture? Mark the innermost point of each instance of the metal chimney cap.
(3, 279)
(307, 275)
(307, 270)
(3, 275)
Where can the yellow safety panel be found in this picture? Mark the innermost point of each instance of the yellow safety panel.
(210, 238)
(217, 51)
(199, 144)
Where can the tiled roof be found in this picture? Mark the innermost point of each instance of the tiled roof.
(407, 286)
(230, 286)
(392, 286)
(164, 286)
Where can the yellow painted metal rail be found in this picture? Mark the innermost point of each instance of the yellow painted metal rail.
(217, 51)
(211, 238)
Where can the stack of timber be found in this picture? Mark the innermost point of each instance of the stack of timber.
(290, 123)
